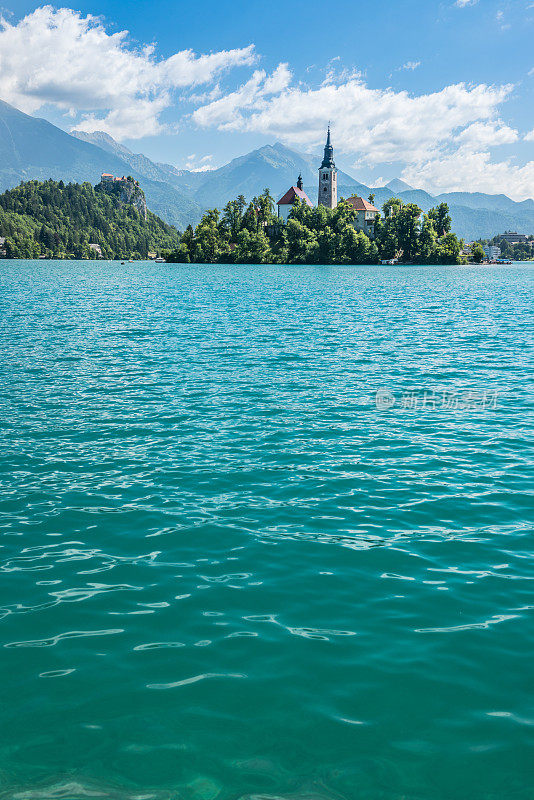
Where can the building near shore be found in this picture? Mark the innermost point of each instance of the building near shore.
(491, 251)
(512, 237)
(366, 212)
(366, 215)
(107, 177)
(95, 248)
(327, 194)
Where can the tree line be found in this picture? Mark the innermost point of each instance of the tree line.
(59, 220)
(252, 234)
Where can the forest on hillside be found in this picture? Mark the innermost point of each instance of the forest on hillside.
(59, 220)
(252, 234)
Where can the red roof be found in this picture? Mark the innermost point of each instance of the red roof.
(359, 204)
(291, 195)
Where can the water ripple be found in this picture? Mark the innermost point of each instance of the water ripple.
(315, 598)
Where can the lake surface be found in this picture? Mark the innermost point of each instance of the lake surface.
(229, 568)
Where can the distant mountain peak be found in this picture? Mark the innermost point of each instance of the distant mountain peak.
(396, 185)
(103, 140)
(35, 149)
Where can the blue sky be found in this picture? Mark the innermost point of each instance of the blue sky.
(440, 92)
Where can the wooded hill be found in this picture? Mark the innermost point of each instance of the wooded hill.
(61, 220)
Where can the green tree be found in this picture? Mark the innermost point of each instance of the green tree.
(408, 226)
(428, 241)
(57, 219)
(442, 219)
(252, 248)
(477, 253)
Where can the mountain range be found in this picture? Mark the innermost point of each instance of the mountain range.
(32, 148)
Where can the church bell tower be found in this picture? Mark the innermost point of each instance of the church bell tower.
(328, 177)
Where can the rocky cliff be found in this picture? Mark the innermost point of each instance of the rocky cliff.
(128, 191)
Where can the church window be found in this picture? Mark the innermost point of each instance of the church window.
(325, 189)
(325, 177)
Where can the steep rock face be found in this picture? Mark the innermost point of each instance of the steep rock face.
(133, 195)
(128, 192)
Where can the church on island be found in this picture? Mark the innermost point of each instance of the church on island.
(366, 213)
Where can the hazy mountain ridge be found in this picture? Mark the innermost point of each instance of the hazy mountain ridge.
(475, 215)
(165, 173)
(32, 148)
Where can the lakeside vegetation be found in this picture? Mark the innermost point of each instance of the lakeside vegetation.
(59, 220)
(56, 220)
(253, 234)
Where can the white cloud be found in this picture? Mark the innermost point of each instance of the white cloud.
(474, 171)
(227, 112)
(199, 164)
(486, 134)
(379, 125)
(434, 135)
(464, 3)
(529, 137)
(501, 20)
(57, 56)
(410, 65)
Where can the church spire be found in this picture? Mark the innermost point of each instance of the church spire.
(328, 159)
(300, 185)
(328, 176)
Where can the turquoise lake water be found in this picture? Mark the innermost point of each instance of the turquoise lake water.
(225, 572)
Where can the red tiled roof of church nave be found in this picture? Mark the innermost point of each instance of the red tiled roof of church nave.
(359, 204)
(291, 195)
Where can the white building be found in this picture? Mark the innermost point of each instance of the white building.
(294, 193)
(491, 251)
(95, 248)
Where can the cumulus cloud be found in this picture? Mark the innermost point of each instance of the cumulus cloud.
(228, 112)
(379, 125)
(486, 134)
(202, 164)
(57, 56)
(472, 170)
(434, 135)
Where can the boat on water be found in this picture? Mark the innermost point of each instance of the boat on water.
(159, 260)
